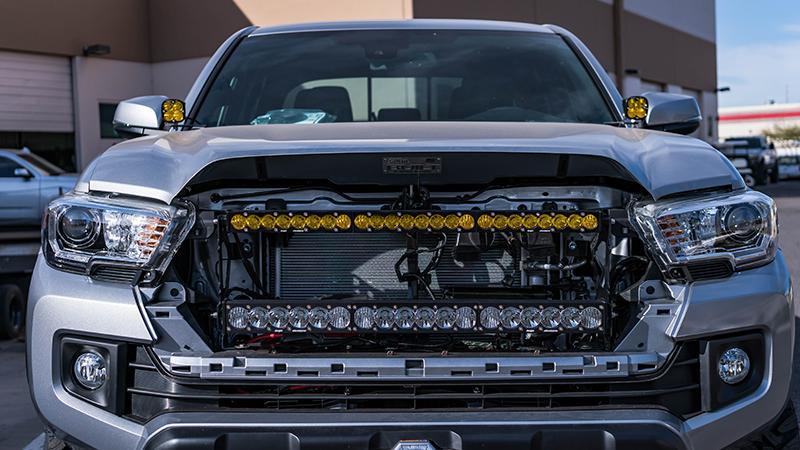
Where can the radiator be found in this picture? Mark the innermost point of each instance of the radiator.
(320, 264)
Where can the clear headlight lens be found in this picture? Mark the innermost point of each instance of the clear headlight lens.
(83, 229)
(742, 227)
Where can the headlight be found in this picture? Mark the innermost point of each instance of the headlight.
(740, 227)
(84, 231)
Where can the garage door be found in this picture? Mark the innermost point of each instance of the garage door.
(35, 93)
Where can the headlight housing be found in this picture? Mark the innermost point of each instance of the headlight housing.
(740, 227)
(84, 232)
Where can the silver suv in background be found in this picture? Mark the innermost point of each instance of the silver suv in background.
(28, 183)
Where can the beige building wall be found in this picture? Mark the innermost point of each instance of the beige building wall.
(95, 81)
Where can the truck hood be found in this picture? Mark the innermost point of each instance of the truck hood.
(159, 167)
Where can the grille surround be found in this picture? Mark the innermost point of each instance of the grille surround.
(675, 388)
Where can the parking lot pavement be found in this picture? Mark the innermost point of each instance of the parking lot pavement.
(19, 423)
(787, 195)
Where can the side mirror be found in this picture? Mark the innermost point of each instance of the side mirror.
(662, 111)
(21, 172)
(146, 115)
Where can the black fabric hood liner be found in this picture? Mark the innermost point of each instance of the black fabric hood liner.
(440, 169)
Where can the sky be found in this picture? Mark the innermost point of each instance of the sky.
(758, 51)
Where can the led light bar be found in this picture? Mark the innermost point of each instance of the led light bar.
(525, 221)
(245, 317)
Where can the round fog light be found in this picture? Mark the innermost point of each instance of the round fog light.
(734, 365)
(90, 370)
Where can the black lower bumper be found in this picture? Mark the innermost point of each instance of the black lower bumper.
(466, 436)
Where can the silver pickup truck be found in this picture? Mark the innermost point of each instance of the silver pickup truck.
(411, 235)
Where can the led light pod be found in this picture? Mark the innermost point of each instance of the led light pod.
(258, 317)
(278, 317)
(339, 317)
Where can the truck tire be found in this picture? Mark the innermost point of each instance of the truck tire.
(12, 312)
(782, 433)
(775, 174)
(761, 175)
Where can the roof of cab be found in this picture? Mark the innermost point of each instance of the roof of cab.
(410, 24)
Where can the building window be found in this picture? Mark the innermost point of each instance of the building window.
(106, 121)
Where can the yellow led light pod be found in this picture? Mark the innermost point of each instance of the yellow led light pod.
(392, 222)
(362, 221)
(545, 222)
(328, 222)
(173, 111)
(589, 222)
(437, 221)
(574, 221)
(407, 221)
(530, 221)
(466, 222)
(376, 221)
(268, 222)
(313, 222)
(560, 221)
(239, 222)
(451, 221)
(422, 222)
(636, 108)
(500, 222)
(298, 222)
(253, 222)
(485, 221)
(515, 222)
(283, 222)
(343, 222)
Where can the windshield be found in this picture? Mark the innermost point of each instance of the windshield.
(402, 75)
(42, 165)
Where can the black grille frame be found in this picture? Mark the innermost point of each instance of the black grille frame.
(675, 388)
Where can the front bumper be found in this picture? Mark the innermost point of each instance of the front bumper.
(329, 431)
(758, 299)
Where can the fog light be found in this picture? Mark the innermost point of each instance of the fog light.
(90, 370)
(734, 365)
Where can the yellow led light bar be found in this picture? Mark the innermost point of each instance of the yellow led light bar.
(524, 221)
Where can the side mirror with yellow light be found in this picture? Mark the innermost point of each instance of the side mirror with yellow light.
(663, 111)
(147, 115)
